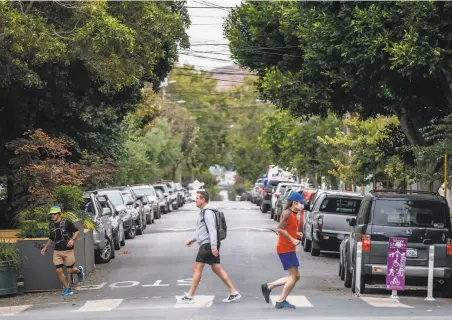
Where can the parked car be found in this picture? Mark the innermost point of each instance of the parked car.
(134, 201)
(119, 237)
(281, 204)
(325, 221)
(161, 201)
(171, 200)
(421, 217)
(181, 194)
(149, 192)
(255, 193)
(103, 236)
(280, 189)
(129, 214)
(175, 195)
(267, 194)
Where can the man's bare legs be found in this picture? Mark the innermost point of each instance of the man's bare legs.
(198, 267)
(62, 277)
(219, 271)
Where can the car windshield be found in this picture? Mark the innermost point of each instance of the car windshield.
(163, 188)
(404, 213)
(127, 197)
(145, 191)
(114, 196)
(340, 205)
(87, 207)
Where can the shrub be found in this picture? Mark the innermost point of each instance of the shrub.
(69, 197)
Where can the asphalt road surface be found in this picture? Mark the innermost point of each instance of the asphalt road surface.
(153, 270)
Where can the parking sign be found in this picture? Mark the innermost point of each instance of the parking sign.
(395, 269)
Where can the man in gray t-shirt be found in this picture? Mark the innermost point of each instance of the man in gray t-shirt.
(209, 246)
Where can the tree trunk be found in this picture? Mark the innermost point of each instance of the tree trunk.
(411, 126)
(314, 180)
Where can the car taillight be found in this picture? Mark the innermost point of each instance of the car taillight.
(365, 240)
(265, 193)
(449, 247)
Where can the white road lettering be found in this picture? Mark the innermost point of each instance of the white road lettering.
(124, 284)
(158, 283)
(184, 282)
(92, 287)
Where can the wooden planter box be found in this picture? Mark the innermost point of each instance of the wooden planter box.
(39, 272)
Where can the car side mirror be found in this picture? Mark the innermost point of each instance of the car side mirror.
(106, 212)
(352, 222)
(140, 197)
(145, 201)
(307, 206)
(129, 203)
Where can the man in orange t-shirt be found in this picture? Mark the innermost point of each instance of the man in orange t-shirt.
(288, 239)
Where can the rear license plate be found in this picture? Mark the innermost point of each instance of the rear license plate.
(411, 253)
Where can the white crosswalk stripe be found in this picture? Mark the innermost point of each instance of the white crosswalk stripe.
(11, 311)
(297, 301)
(100, 305)
(384, 302)
(199, 302)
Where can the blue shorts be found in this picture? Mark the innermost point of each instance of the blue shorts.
(289, 260)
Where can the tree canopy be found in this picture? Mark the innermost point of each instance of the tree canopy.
(369, 58)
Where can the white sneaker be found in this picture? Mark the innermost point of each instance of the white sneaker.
(187, 299)
(232, 297)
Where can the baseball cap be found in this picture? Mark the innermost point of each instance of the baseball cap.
(55, 209)
(295, 196)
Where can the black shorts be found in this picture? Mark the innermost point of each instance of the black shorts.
(205, 255)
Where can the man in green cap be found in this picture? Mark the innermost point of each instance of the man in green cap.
(63, 233)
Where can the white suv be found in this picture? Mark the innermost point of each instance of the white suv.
(280, 189)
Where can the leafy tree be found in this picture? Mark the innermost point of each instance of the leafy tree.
(75, 69)
(369, 58)
(293, 144)
(366, 162)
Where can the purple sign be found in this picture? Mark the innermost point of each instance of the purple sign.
(395, 269)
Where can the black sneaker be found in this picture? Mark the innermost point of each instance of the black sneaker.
(266, 292)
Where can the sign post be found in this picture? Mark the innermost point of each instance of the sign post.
(395, 268)
(431, 266)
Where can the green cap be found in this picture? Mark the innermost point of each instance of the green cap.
(55, 209)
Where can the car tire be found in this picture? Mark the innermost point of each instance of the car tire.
(122, 243)
(340, 268)
(148, 220)
(131, 234)
(139, 230)
(106, 254)
(307, 245)
(347, 275)
(446, 288)
(314, 252)
(264, 207)
(117, 242)
(342, 273)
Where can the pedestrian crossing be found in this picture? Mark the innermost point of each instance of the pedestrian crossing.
(211, 301)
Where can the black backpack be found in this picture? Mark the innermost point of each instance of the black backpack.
(220, 224)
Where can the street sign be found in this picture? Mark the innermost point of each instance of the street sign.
(395, 269)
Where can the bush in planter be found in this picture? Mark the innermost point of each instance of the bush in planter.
(9, 268)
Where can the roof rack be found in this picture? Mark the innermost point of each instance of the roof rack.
(432, 193)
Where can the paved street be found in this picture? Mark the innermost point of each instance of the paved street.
(146, 277)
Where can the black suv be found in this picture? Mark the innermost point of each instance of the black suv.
(421, 217)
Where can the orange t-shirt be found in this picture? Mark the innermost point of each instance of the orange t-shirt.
(285, 245)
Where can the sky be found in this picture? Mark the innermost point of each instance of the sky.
(206, 34)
